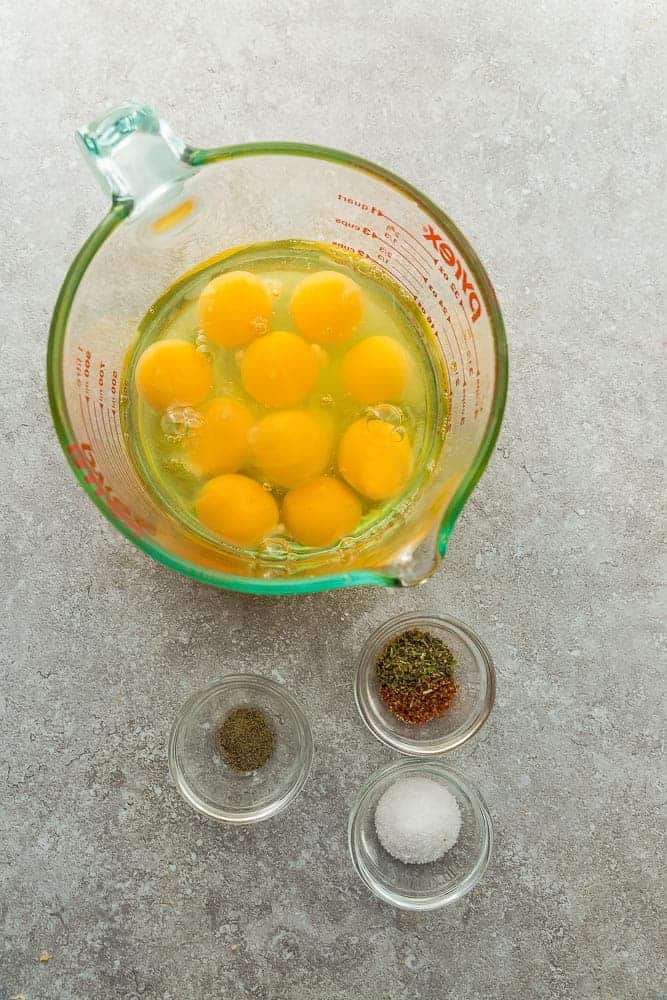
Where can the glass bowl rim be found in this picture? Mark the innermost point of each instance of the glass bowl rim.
(411, 746)
(277, 804)
(119, 210)
(434, 900)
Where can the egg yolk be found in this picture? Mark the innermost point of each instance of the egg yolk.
(238, 509)
(290, 447)
(279, 369)
(172, 372)
(321, 512)
(219, 443)
(375, 371)
(375, 458)
(327, 307)
(234, 308)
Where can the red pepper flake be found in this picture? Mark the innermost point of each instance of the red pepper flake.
(427, 700)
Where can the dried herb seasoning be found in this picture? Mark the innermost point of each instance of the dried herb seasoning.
(427, 700)
(411, 657)
(246, 739)
(415, 674)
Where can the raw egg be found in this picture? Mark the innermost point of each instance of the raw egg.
(234, 308)
(238, 509)
(375, 458)
(279, 369)
(327, 307)
(375, 371)
(321, 512)
(172, 372)
(291, 447)
(219, 442)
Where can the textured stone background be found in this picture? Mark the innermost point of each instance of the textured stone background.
(539, 127)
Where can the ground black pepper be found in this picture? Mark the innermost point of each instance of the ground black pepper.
(246, 739)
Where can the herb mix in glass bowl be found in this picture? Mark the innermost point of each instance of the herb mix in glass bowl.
(415, 674)
(425, 684)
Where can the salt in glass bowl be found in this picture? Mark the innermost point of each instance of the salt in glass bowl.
(474, 674)
(210, 785)
(421, 886)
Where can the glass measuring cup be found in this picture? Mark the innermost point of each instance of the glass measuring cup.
(174, 206)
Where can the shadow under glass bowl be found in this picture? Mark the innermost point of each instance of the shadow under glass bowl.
(421, 886)
(474, 674)
(208, 783)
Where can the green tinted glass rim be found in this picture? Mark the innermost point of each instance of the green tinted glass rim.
(119, 210)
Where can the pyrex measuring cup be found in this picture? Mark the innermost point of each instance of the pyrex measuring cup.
(174, 206)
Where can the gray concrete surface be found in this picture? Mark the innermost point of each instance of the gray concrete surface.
(539, 127)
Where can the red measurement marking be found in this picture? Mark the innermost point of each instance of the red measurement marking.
(451, 260)
(94, 394)
(406, 279)
(111, 437)
(401, 278)
(101, 373)
(408, 232)
(101, 436)
(380, 213)
(445, 311)
(363, 205)
(118, 441)
(112, 433)
(390, 248)
(346, 224)
(408, 249)
(97, 417)
(416, 267)
(452, 341)
(94, 434)
(472, 366)
(84, 459)
(473, 370)
(84, 421)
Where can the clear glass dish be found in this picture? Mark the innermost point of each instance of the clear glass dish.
(201, 775)
(421, 886)
(475, 676)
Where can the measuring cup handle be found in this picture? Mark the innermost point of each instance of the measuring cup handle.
(135, 155)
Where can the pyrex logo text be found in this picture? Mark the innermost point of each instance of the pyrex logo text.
(450, 258)
(83, 458)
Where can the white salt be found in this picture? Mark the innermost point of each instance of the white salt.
(417, 820)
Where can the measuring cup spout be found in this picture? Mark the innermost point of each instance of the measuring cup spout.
(418, 560)
(135, 156)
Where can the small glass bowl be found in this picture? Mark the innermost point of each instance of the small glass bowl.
(421, 886)
(199, 771)
(474, 674)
